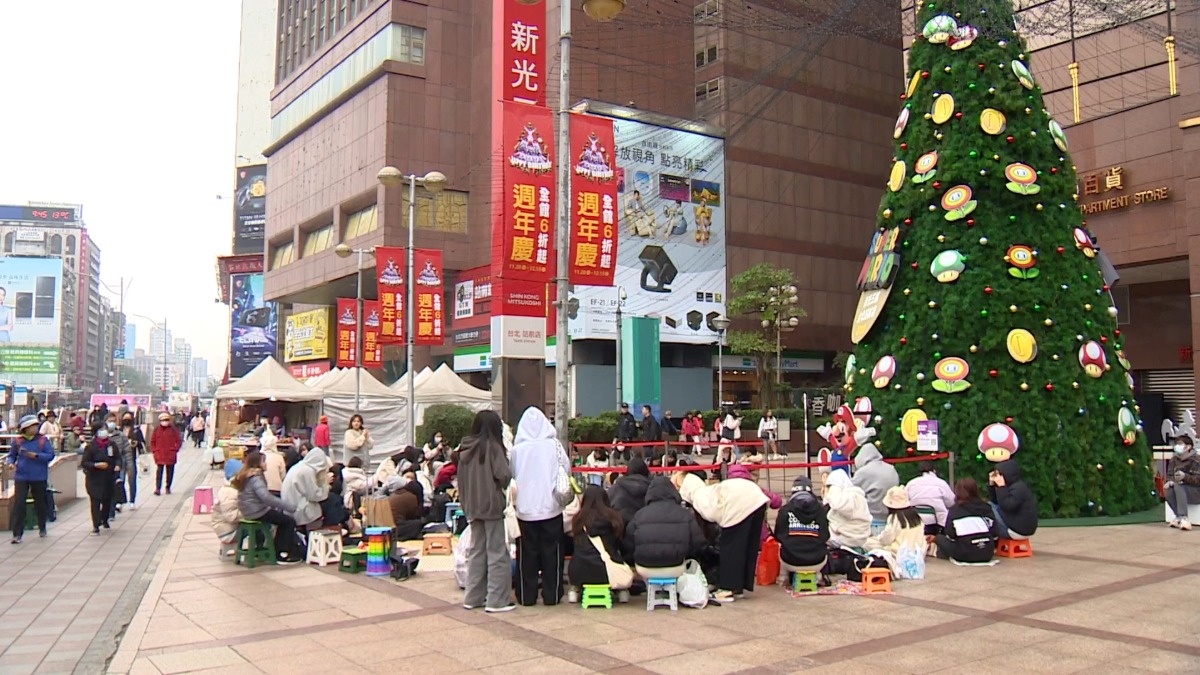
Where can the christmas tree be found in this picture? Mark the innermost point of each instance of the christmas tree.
(983, 305)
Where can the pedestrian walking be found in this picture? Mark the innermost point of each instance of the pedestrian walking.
(197, 428)
(32, 454)
(165, 442)
(52, 430)
(101, 466)
(137, 445)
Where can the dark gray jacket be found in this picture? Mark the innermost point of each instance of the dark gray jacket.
(483, 478)
(254, 499)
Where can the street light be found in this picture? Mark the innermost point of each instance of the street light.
(598, 10)
(344, 251)
(621, 295)
(434, 182)
(782, 312)
(721, 323)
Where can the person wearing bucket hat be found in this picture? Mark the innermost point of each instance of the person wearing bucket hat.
(904, 525)
(802, 529)
(165, 442)
(32, 454)
(52, 430)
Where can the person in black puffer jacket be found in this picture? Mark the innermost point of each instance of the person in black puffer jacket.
(802, 530)
(628, 494)
(1012, 501)
(664, 534)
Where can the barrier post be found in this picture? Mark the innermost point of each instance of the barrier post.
(950, 459)
(807, 456)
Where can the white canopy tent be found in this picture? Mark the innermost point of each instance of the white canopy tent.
(443, 386)
(383, 411)
(268, 381)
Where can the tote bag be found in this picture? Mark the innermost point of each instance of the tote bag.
(620, 576)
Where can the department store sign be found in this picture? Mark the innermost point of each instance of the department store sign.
(1108, 189)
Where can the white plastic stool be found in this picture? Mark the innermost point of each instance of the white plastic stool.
(656, 586)
(325, 547)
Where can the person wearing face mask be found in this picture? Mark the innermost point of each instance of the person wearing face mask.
(101, 466)
(32, 454)
(1183, 481)
(435, 453)
(137, 445)
(52, 430)
(125, 452)
(165, 442)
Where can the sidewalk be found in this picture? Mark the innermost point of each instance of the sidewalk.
(1115, 599)
(65, 599)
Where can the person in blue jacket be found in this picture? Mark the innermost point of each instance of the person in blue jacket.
(32, 454)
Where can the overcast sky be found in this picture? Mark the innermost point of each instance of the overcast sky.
(128, 108)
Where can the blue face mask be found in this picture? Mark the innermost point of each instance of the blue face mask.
(111, 425)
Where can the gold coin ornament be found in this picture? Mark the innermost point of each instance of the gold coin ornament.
(943, 109)
(958, 203)
(963, 38)
(901, 123)
(1022, 179)
(1022, 346)
(1060, 138)
(940, 29)
(899, 171)
(993, 121)
(1023, 75)
(908, 423)
(912, 85)
(925, 167)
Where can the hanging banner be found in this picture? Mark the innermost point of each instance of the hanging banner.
(389, 275)
(372, 347)
(523, 236)
(523, 51)
(593, 201)
(431, 314)
(347, 333)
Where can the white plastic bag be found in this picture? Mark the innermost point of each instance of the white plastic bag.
(215, 455)
(460, 557)
(692, 586)
(910, 563)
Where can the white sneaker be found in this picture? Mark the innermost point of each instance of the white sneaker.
(133, 507)
(498, 610)
(1174, 523)
(1185, 524)
(572, 596)
(722, 597)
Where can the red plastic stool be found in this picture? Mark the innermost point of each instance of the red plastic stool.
(1014, 548)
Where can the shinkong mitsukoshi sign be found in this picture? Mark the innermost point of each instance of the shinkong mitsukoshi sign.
(523, 52)
(523, 235)
(593, 201)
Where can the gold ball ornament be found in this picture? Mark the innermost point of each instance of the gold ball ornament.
(1099, 467)
(1024, 386)
(1087, 307)
(907, 291)
(1131, 463)
(932, 304)
(941, 238)
(974, 348)
(1012, 308)
(1049, 322)
(921, 401)
(887, 213)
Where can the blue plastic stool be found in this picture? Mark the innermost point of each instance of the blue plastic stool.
(656, 586)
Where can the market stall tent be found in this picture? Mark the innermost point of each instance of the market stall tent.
(383, 410)
(269, 381)
(443, 386)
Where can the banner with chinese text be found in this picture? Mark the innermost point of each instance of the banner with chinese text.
(347, 332)
(593, 201)
(523, 238)
(431, 314)
(523, 50)
(372, 347)
(389, 277)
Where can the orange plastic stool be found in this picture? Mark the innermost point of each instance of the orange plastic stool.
(876, 580)
(1014, 548)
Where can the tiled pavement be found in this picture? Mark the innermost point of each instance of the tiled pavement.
(1102, 600)
(65, 600)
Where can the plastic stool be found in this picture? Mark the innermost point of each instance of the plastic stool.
(654, 587)
(876, 580)
(596, 595)
(1014, 548)
(250, 551)
(353, 561)
(437, 543)
(452, 509)
(804, 583)
(325, 547)
(202, 500)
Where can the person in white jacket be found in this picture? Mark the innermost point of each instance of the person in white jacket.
(768, 433)
(931, 492)
(738, 506)
(354, 484)
(849, 517)
(276, 465)
(307, 485)
(536, 459)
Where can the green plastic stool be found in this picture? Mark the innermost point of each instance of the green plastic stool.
(353, 561)
(596, 595)
(252, 553)
(804, 582)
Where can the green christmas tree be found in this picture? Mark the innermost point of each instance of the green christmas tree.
(983, 304)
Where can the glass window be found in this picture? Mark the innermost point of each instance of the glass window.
(284, 254)
(708, 90)
(56, 242)
(361, 222)
(318, 240)
(8, 242)
(71, 244)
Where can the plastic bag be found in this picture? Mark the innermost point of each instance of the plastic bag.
(910, 563)
(768, 563)
(692, 586)
(460, 557)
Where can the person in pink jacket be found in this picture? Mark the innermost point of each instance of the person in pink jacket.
(930, 491)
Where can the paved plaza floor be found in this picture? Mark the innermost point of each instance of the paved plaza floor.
(1122, 599)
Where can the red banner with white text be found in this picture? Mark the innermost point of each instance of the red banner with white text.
(523, 236)
(523, 52)
(389, 278)
(372, 347)
(428, 286)
(347, 332)
(593, 201)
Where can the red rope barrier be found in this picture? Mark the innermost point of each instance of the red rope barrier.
(753, 467)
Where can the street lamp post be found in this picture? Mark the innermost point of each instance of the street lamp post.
(434, 182)
(721, 323)
(620, 357)
(597, 10)
(782, 312)
(344, 251)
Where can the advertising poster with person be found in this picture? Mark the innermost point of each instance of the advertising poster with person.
(253, 324)
(30, 316)
(671, 236)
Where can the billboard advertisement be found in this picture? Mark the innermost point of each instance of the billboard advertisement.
(523, 53)
(250, 209)
(306, 336)
(30, 315)
(670, 236)
(372, 356)
(253, 324)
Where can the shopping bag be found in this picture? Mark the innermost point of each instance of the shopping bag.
(692, 586)
(460, 557)
(379, 512)
(768, 563)
(910, 563)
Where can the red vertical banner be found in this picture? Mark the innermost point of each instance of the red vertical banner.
(389, 278)
(431, 314)
(372, 323)
(523, 240)
(347, 332)
(593, 201)
(523, 52)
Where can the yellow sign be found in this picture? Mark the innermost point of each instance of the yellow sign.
(306, 336)
(1111, 183)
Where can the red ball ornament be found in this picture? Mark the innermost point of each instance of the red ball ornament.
(925, 75)
(911, 451)
(904, 146)
(1104, 339)
(903, 340)
(1049, 387)
(936, 185)
(1105, 288)
(970, 222)
(982, 66)
(1054, 169)
(1117, 332)
(903, 97)
(993, 372)
(1125, 441)
(987, 289)
(1010, 139)
(915, 265)
(908, 221)
(958, 115)
(1008, 420)
(1060, 250)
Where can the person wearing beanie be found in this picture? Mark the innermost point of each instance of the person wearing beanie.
(802, 530)
(904, 525)
(628, 494)
(321, 437)
(849, 517)
(32, 454)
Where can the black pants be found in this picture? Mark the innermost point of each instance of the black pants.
(739, 546)
(539, 552)
(285, 533)
(158, 477)
(23, 488)
(102, 505)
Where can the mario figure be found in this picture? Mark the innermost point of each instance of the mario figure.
(847, 433)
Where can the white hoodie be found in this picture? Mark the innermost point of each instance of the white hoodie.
(849, 517)
(535, 458)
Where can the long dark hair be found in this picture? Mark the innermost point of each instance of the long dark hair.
(252, 464)
(966, 491)
(487, 435)
(596, 507)
(907, 516)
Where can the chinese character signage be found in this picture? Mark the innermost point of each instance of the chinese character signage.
(523, 65)
(250, 209)
(431, 314)
(523, 240)
(389, 274)
(347, 332)
(1108, 186)
(593, 201)
(372, 348)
